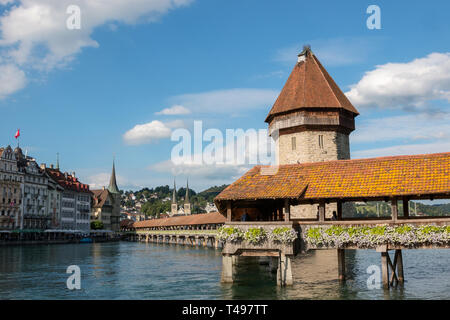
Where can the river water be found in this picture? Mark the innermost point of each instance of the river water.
(128, 270)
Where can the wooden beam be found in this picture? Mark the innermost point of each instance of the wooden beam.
(229, 211)
(405, 207)
(341, 264)
(339, 210)
(287, 210)
(322, 211)
(399, 264)
(385, 269)
(394, 209)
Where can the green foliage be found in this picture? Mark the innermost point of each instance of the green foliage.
(96, 225)
(255, 235)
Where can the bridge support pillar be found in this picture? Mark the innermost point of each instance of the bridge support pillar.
(341, 264)
(284, 273)
(392, 272)
(227, 269)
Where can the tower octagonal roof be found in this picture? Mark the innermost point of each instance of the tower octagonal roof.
(309, 86)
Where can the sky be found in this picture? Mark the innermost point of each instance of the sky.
(135, 72)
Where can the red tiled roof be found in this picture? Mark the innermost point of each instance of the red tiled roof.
(69, 183)
(362, 178)
(194, 219)
(310, 86)
(100, 197)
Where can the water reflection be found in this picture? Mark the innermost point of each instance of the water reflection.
(164, 271)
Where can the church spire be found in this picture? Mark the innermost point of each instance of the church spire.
(174, 194)
(174, 206)
(112, 182)
(186, 198)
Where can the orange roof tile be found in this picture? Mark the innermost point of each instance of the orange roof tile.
(362, 178)
(310, 86)
(194, 219)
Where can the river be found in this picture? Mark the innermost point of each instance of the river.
(128, 270)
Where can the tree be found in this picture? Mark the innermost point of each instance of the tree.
(96, 225)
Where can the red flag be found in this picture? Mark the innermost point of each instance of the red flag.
(17, 134)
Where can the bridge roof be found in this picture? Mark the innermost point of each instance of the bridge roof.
(416, 175)
(194, 219)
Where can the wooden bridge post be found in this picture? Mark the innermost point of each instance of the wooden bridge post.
(398, 262)
(394, 207)
(341, 264)
(287, 210)
(322, 211)
(405, 208)
(229, 211)
(385, 269)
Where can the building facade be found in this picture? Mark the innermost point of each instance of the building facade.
(11, 190)
(311, 121)
(75, 201)
(35, 215)
(54, 199)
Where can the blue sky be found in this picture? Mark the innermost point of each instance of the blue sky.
(78, 92)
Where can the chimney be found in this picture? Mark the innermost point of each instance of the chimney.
(66, 175)
(51, 166)
(73, 174)
(103, 188)
(43, 166)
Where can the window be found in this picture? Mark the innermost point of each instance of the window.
(320, 141)
(293, 143)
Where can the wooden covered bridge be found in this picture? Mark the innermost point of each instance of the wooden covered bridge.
(194, 230)
(265, 196)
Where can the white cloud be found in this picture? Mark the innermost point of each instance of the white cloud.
(216, 172)
(174, 110)
(404, 85)
(227, 100)
(100, 180)
(12, 79)
(407, 128)
(151, 131)
(34, 33)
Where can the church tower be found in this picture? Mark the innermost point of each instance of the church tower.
(311, 120)
(187, 203)
(115, 195)
(174, 207)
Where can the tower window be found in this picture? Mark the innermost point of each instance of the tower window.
(320, 141)
(294, 143)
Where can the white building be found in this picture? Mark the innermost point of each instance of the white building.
(11, 190)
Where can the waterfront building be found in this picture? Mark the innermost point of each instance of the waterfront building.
(35, 193)
(75, 200)
(102, 207)
(11, 190)
(54, 199)
(311, 120)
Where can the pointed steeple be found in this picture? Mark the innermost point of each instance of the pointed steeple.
(174, 206)
(57, 161)
(186, 198)
(174, 194)
(112, 182)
